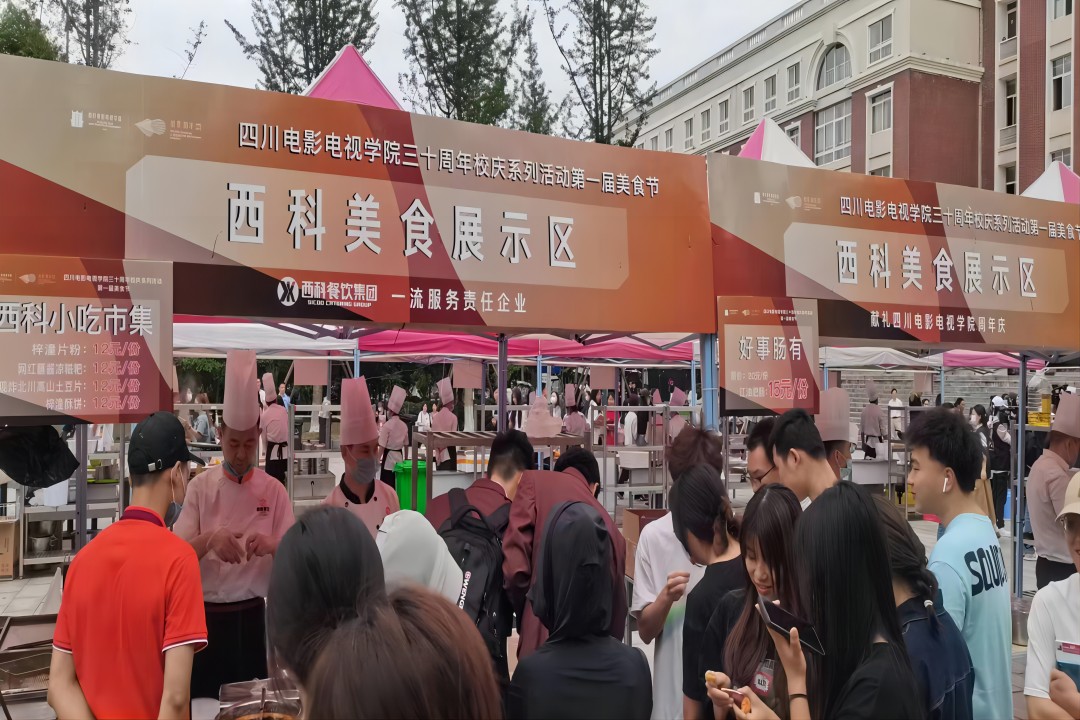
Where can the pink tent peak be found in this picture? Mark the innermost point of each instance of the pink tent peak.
(1070, 184)
(755, 145)
(350, 79)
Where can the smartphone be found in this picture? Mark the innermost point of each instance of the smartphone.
(782, 621)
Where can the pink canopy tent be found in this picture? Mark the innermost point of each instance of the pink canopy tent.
(975, 359)
(768, 142)
(350, 79)
(1058, 183)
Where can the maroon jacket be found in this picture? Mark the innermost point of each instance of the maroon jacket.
(539, 493)
(485, 495)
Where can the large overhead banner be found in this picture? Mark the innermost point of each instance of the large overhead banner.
(84, 339)
(898, 262)
(273, 205)
(768, 354)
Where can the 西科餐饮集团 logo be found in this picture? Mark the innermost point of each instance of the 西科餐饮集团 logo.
(288, 291)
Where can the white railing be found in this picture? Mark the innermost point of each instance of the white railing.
(1008, 135)
(1008, 49)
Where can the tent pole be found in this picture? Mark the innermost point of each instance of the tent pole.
(942, 383)
(1018, 501)
(710, 381)
(540, 394)
(693, 382)
(500, 387)
(356, 361)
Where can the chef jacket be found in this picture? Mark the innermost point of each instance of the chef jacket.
(444, 421)
(575, 424)
(393, 436)
(383, 502)
(275, 424)
(676, 425)
(260, 505)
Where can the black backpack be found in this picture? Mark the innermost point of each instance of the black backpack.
(475, 541)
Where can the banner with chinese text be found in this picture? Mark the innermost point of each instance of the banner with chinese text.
(900, 263)
(279, 206)
(84, 339)
(768, 354)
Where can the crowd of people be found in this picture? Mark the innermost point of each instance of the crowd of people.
(819, 602)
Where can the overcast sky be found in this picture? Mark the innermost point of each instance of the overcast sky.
(687, 31)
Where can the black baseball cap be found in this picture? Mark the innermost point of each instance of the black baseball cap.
(157, 443)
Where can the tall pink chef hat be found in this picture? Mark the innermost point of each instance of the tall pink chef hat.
(446, 391)
(358, 425)
(678, 397)
(656, 398)
(397, 399)
(1067, 417)
(269, 388)
(834, 421)
(570, 395)
(241, 397)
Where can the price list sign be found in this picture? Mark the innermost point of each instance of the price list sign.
(84, 339)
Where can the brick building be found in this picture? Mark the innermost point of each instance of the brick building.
(972, 92)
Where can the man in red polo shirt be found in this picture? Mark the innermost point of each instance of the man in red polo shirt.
(132, 615)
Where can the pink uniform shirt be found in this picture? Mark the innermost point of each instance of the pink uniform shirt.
(393, 436)
(259, 505)
(444, 421)
(575, 424)
(383, 502)
(275, 424)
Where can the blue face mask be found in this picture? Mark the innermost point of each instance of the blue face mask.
(365, 469)
(172, 514)
(845, 474)
(237, 475)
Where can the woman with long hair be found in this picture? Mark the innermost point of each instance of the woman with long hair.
(845, 593)
(938, 653)
(736, 642)
(705, 525)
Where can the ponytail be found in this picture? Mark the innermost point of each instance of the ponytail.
(907, 559)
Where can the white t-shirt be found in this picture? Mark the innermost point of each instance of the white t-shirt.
(1053, 635)
(659, 553)
(630, 429)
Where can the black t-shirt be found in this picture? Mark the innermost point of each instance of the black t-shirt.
(719, 579)
(594, 677)
(882, 687)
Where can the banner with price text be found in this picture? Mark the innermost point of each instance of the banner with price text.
(768, 354)
(284, 207)
(900, 263)
(84, 339)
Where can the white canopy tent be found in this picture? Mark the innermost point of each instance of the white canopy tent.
(216, 339)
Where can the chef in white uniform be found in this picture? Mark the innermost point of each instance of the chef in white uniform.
(275, 431)
(837, 431)
(446, 421)
(234, 516)
(392, 437)
(676, 423)
(359, 491)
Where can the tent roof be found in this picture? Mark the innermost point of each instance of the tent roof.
(874, 357)
(215, 339)
(768, 142)
(1057, 183)
(349, 78)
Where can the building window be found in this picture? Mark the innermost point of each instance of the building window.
(832, 133)
(722, 118)
(1010, 21)
(881, 112)
(706, 125)
(794, 134)
(748, 104)
(654, 143)
(1010, 179)
(793, 81)
(835, 68)
(882, 171)
(1062, 156)
(1010, 103)
(770, 94)
(688, 137)
(669, 139)
(1061, 71)
(640, 146)
(1062, 8)
(881, 39)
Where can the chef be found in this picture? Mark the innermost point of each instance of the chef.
(392, 436)
(446, 421)
(360, 492)
(834, 425)
(677, 423)
(275, 431)
(1046, 486)
(234, 516)
(574, 423)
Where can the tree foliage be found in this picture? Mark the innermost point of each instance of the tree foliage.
(534, 112)
(24, 35)
(97, 27)
(296, 39)
(606, 57)
(460, 53)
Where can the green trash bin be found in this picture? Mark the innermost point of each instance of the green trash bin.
(403, 481)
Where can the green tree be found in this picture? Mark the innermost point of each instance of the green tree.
(24, 35)
(606, 57)
(296, 39)
(534, 111)
(460, 54)
(98, 28)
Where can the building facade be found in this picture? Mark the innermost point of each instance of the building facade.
(971, 92)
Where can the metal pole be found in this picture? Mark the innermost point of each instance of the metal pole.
(483, 399)
(825, 379)
(710, 381)
(540, 393)
(693, 382)
(81, 443)
(356, 360)
(502, 384)
(943, 400)
(1018, 516)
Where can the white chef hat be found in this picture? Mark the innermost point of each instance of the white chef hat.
(446, 391)
(1067, 417)
(241, 397)
(834, 420)
(268, 387)
(570, 395)
(397, 399)
(358, 425)
(678, 397)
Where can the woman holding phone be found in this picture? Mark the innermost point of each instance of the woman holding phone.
(736, 642)
(845, 593)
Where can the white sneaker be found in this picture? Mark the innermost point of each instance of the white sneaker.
(1004, 532)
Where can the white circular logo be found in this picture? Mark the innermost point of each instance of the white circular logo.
(288, 292)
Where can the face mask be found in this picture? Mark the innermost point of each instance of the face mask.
(365, 469)
(238, 475)
(845, 474)
(172, 513)
(975, 421)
